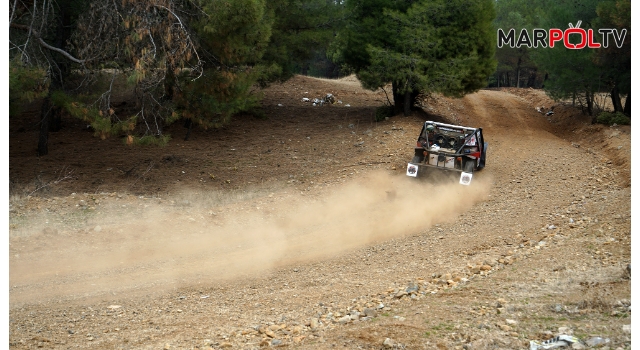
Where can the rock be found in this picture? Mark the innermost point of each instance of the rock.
(276, 342)
(355, 315)
(344, 319)
(629, 269)
(167, 347)
(400, 294)
(369, 312)
(388, 343)
(505, 328)
(226, 345)
(314, 324)
(114, 307)
(298, 339)
(597, 341)
(475, 270)
(485, 268)
(626, 328)
(412, 288)
(511, 322)
(275, 327)
(269, 333)
(565, 330)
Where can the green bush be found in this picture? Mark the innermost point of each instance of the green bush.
(609, 118)
(384, 112)
(25, 85)
(147, 140)
(620, 119)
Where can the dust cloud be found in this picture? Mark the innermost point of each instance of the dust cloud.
(160, 246)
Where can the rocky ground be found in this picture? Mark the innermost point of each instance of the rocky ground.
(301, 231)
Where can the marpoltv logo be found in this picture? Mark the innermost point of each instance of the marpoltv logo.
(555, 35)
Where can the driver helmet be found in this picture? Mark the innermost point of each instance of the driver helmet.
(430, 128)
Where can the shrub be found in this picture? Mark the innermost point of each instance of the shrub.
(161, 140)
(609, 118)
(384, 112)
(25, 85)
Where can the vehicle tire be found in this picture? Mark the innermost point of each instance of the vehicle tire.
(469, 165)
(483, 157)
(416, 159)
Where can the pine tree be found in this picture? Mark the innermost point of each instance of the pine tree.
(421, 47)
(572, 74)
(614, 60)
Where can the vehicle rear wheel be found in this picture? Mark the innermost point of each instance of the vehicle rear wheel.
(417, 159)
(468, 165)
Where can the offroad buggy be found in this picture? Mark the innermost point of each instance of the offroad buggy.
(449, 148)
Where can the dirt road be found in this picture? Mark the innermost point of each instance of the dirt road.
(337, 248)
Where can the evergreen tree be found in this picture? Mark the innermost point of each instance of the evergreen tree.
(572, 74)
(233, 35)
(421, 47)
(302, 30)
(515, 66)
(615, 61)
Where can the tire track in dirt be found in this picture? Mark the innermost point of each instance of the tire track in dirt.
(346, 219)
(498, 112)
(354, 244)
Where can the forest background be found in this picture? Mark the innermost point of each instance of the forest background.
(200, 62)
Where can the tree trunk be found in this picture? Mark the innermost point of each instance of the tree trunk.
(627, 105)
(55, 122)
(43, 138)
(589, 98)
(407, 103)
(397, 98)
(532, 78)
(169, 83)
(518, 72)
(51, 116)
(615, 99)
(188, 123)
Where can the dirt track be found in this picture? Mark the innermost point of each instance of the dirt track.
(280, 260)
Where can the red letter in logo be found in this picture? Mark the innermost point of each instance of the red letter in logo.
(583, 38)
(555, 34)
(592, 44)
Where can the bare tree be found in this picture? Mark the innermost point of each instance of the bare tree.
(150, 41)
